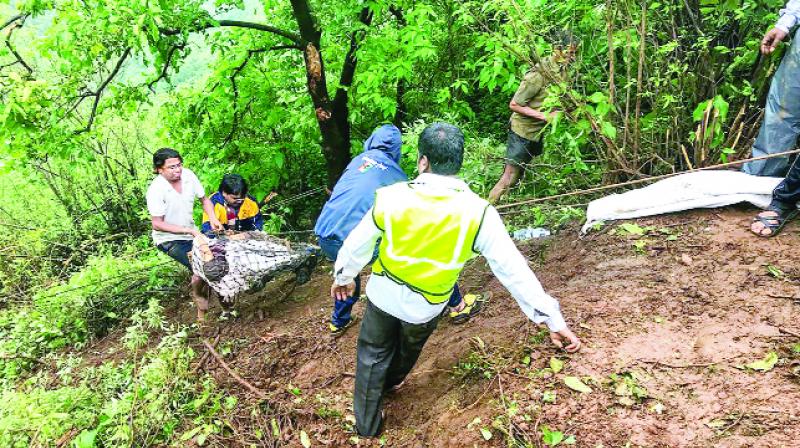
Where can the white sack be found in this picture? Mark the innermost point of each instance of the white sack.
(701, 189)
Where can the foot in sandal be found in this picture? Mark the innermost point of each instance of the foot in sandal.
(771, 221)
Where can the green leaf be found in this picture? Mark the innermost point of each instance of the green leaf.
(276, 430)
(774, 271)
(487, 435)
(609, 130)
(304, 440)
(85, 439)
(700, 110)
(598, 97)
(766, 364)
(721, 106)
(556, 365)
(632, 229)
(551, 438)
(191, 433)
(576, 384)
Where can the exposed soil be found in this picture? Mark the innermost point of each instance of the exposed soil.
(680, 314)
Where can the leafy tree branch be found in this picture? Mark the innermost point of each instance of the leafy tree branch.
(99, 91)
(167, 64)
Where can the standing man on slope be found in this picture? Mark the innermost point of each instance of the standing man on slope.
(527, 119)
(429, 228)
(781, 125)
(170, 201)
(352, 196)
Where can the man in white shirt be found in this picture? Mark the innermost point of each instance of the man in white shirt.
(781, 124)
(170, 201)
(429, 228)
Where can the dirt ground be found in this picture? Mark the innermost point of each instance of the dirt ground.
(669, 320)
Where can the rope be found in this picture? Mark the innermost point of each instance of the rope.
(295, 197)
(292, 232)
(640, 181)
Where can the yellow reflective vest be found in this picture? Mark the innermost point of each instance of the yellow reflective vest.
(427, 236)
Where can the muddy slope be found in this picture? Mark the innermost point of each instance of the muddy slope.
(670, 318)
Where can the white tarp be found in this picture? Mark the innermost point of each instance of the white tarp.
(701, 189)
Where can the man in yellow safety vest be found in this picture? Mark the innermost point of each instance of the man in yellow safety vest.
(429, 228)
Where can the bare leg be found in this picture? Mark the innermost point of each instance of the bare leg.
(199, 292)
(510, 177)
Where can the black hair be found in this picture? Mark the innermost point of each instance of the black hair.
(233, 184)
(160, 157)
(443, 145)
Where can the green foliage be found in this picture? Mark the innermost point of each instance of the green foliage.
(766, 364)
(146, 402)
(475, 365)
(554, 438)
(90, 303)
(628, 389)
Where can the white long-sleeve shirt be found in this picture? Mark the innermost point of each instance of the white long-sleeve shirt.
(492, 241)
(789, 15)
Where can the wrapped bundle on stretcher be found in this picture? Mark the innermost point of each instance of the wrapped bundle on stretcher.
(233, 263)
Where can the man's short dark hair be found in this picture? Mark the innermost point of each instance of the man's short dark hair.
(443, 145)
(233, 184)
(160, 157)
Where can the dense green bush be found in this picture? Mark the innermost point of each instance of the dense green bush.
(151, 399)
(104, 292)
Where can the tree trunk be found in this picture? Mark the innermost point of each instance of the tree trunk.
(333, 121)
(335, 137)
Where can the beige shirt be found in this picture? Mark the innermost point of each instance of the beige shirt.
(532, 92)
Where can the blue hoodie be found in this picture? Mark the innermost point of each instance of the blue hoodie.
(354, 193)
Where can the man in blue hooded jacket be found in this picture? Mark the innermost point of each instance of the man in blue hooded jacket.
(353, 195)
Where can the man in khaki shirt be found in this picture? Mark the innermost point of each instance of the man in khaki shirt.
(527, 120)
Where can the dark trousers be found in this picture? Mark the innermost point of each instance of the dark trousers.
(341, 308)
(387, 350)
(787, 194)
(178, 250)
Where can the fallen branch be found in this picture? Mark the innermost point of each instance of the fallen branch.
(205, 356)
(475, 403)
(789, 332)
(781, 296)
(680, 366)
(259, 393)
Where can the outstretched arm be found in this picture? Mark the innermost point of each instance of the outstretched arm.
(511, 268)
